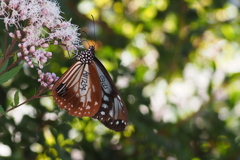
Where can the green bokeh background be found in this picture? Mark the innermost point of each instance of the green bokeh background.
(176, 64)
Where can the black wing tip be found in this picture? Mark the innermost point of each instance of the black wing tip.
(115, 125)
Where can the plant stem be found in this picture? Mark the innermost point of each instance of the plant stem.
(9, 49)
(7, 54)
(12, 65)
(5, 42)
(33, 97)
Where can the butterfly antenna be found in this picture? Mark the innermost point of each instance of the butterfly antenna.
(87, 36)
(94, 30)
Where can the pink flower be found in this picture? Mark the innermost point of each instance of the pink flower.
(44, 26)
(47, 80)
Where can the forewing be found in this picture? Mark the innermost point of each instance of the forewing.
(78, 91)
(112, 112)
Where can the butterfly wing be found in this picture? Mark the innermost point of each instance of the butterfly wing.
(86, 89)
(112, 112)
(77, 92)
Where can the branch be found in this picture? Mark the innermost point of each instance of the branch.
(13, 64)
(33, 97)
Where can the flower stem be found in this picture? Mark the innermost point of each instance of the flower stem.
(12, 65)
(7, 53)
(9, 49)
(33, 97)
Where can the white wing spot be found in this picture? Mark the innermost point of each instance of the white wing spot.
(61, 103)
(111, 112)
(77, 95)
(69, 109)
(121, 103)
(105, 98)
(88, 107)
(96, 103)
(82, 99)
(117, 122)
(65, 107)
(79, 113)
(102, 113)
(104, 105)
(118, 97)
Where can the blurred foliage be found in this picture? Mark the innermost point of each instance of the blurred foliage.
(176, 64)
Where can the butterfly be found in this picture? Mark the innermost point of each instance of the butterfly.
(86, 89)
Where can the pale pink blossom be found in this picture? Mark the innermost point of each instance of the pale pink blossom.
(47, 80)
(37, 24)
(44, 26)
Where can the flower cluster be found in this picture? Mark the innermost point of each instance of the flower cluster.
(38, 24)
(47, 80)
(40, 55)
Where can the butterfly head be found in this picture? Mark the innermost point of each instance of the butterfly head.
(86, 56)
(92, 49)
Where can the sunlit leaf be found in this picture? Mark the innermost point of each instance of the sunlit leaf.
(16, 98)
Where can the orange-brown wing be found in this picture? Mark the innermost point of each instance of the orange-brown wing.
(78, 91)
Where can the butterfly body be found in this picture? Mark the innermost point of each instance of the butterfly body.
(86, 89)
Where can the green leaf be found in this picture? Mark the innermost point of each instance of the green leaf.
(10, 74)
(15, 57)
(4, 66)
(16, 98)
(11, 104)
(2, 111)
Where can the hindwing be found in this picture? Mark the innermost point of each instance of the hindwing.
(112, 112)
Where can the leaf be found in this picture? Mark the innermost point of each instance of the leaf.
(16, 98)
(2, 111)
(11, 104)
(10, 74)
(4, 66)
